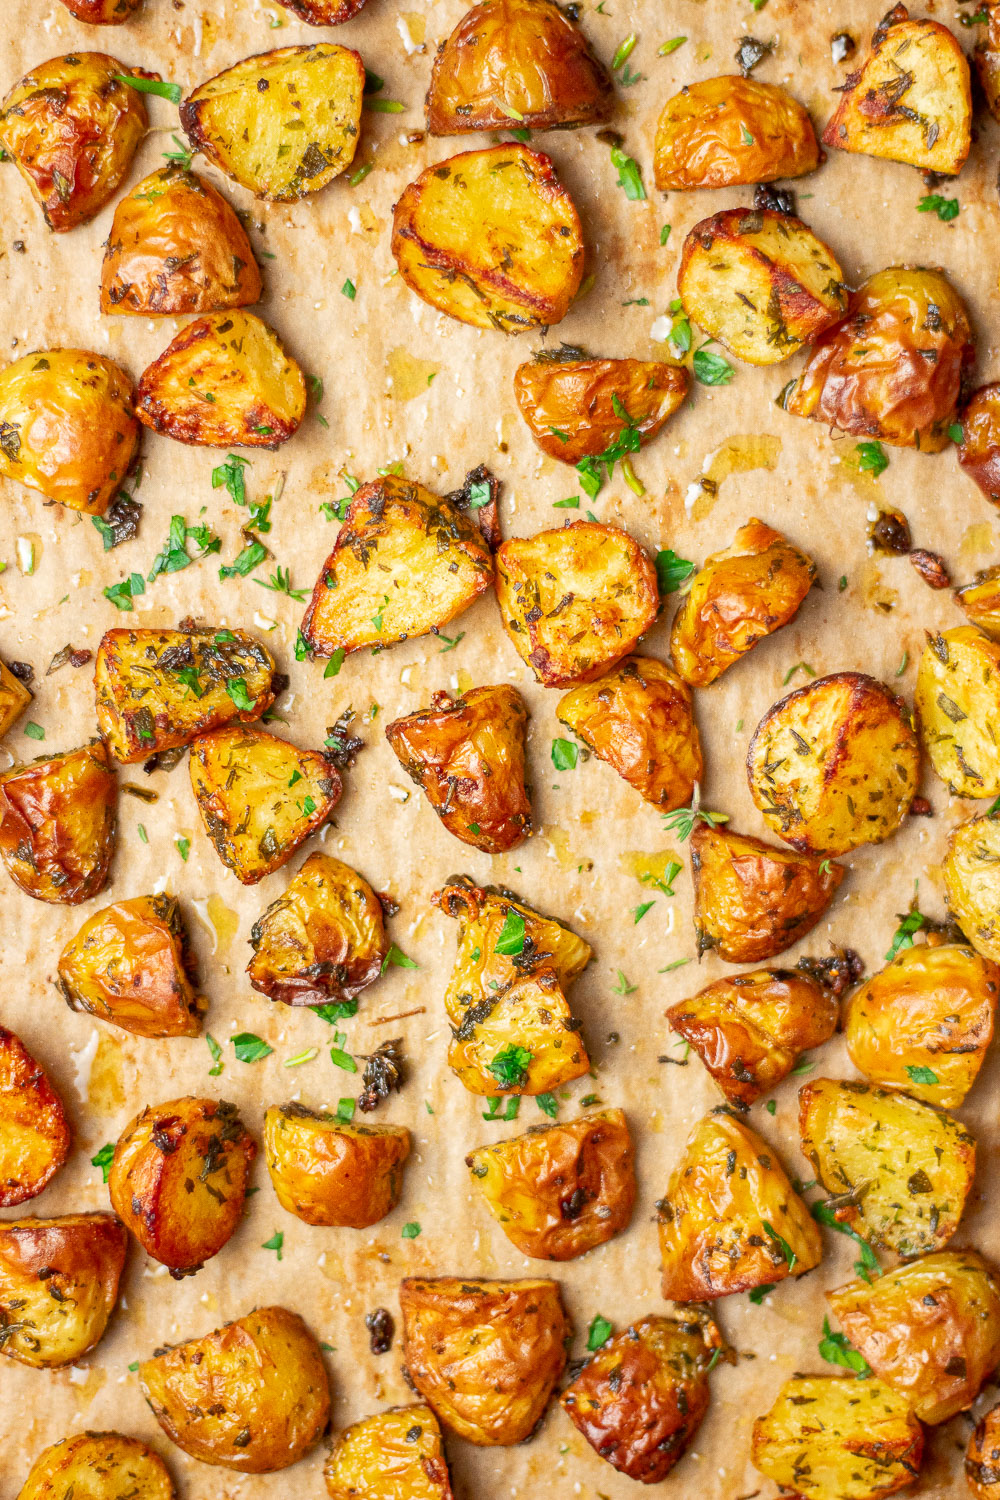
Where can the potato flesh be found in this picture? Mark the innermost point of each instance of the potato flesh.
(98, 1466)
(532, 1017)
(58, 1285)
(14, 698)
(958, 703)
(972, 881)
(328, 1171)
(725, 131)
(979, 450)
(569, 405)
(395, 1455)
(58, 822)
(34, 1134)
(980, 600)
(982, 1458)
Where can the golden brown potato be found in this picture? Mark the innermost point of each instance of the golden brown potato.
(98, 1466)
(982, 1458)
(986, 56)
(328, 1171)
(58, 1285)
(979, 449)
(750, 1030)
(492, 238)
(485, 1355)
(972, 881)
(908, 1167)
(730, 1219)
(34, 1133)
(640, 719)
(14, 698)
(725, 131)
(831, 1439)
(930, 1329)
(559, 1190)
(575, 600)
(740, 595)
(893, 369)
(521, 1040)
(179, 1177)
(924, 1022)
(131, 964)
(395, 1455)
(58, 824)
(252, 1396)
(467, 755)
(72, 127)
(223, 381)
(980, 600)
(910, 101)
(570, 404)
(405, 562)
(760, 282)
(641, 1398)
(176, 246)
(835, 764)
(324, 12)
(753, 900)
(282, 123)
(102, 13)
(958, 703)
(67, 427)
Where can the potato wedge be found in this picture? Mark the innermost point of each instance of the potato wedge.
(34, 1132)
(980, 600)
(58, 824)
(730, 1219)
(467, 755)
(282, 124)
(835, 764)
(738, 597)
(484, 1355)
(569, 405)
(405, 563)
(894, 368)
(58, 1285)
(640, 719)
(750, 1030)
(14, 698)
(102, 13)
(982, 1457)
(575, 601)
(641, 1398)
(753, 900)
(328, 1171)
(67, 427)
(72, 128)
(986, 57)
(521, 1040)
(395, 1455)
(252, 1396)
(910, 101)
(958, 703)
(908, 1167)
(224, 381)
(722, 132)
(559, 1190)
(760, 282)
(491, 238)
(98, 1466)
(972, 880)
(979, 450)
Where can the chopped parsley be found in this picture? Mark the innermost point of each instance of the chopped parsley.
(945, 208)
(510, 1066)
(236, 687)
(275, 1243)
(250, 1048)
(834, 1348)
(216, 1054)
(629, 175)
(511, 941)
(598, 1333)
(712, 369)
(231, 476)
(397, 959)
(872, 458)
(921, 1074)
(548, 1104)
(672, 571)
(510, 1113)
(34, 731)
(103, 1159)
(564, 755)
(336, 1010)
(410, 1231)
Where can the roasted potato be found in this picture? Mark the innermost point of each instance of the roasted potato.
(929, 1329)
(910, 101)
(67, 427)
(760, 282)
(224, 380)
(980, 600)
(72, 127)
(467, 754)
(34, 1133)
(405, 562)
(641, 1398)
(324, 12)
(575, 600)
(484, 1355)
(738, 596)
(753, 900)
(102, 13)
(835, 764)
(986, 56)
(958, 702)
(894, 368)
(131, 964)
(98, 1466)
(979, 449)
(750, 1030)
(176, 246)
(982, 1457)
(519, 62)
(831, 1439)
(330, 1172)
(58, 824)
(573, 407)
(14, 698)
(282, 123)
(58, 1285)
(559, 1190)
(395, 1455)
(907, 1167)
(972, 881)
(520, 1040)
(492, 238)
(252, 1396)
(725, 131)
(179, 1177)
(730, 1219)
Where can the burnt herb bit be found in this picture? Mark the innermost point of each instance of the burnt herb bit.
(381, 1330)
(839, 972)
(342, 747)
(931, 567)
(835, 1349)
(510, 1066)
(383, 1073)
(750, 53)
(774, 199)
(120, 523)
(890, 532)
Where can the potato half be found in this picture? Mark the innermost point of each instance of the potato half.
(972, 880)
(395, 1455)
(98, 1466)
(58, 824)
(979, 450)
(573, 407)
(725, 131)
(58, 1285)
(980, 600)
(958, 703)
(329, 1171)
(14, 698)
(492, 238)
(521, 1040)
(102, 13)
(982, 1457)
(34, 1132)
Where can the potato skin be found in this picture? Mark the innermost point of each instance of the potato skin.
(986, 57)
(72, 131)
(484, 1355)
(58, 1285)
(641, 1398)
(701, 137)
(58, 824)
(395, 1455)
(330, 1172)
(326, 12)
(575, 397)
(14, 698)
(102, 13)
(559, 1190)
(979, 450)
(34, 1132)
(532, 1014)
(98, 1466)
(980, 600)
(982, 1457)
(973, 883)
(252, 1396)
